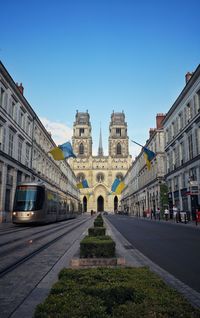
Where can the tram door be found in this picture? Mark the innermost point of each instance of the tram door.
(84, 204)
(100, 204)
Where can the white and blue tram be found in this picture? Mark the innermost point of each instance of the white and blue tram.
(36, 202)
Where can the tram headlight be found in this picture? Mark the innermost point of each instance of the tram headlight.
(14, 213)
(32, 213)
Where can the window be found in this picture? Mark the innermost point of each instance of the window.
(118, 131)
(177, 156)
(81, 149)
(1, 96)
(190, 146)
(182, 152)
(193, 174)
(11, 142)
(181, 120)
(195, 99)
(184, 180)
(197, 140)
(11, 108)
(198, 100)
(28, 126)
(27, 154)
(119, 149)
(189, 112)
(176, 187)
(20, 143)
(81, 131)
(100, 177)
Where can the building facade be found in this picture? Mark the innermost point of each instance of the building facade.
(24, 146)
(142, 193)
(100, 171)
(182, 146)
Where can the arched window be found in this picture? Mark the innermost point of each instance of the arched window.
(81, 149)
(100, 177)
(119, 149)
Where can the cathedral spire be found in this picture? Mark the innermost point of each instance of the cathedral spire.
(100, 150)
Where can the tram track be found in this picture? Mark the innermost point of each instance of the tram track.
(9, 268)
(35, 233)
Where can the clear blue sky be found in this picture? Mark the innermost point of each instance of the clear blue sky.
(101, 55)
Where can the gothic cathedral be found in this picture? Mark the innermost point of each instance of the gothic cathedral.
(100, 171)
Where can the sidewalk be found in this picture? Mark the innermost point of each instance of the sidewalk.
(170, 221)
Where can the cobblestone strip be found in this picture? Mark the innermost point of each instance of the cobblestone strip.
(135, 258)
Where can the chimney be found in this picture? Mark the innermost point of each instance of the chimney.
(188, 76)
(151, 132)
(21, 88)
(159, 119)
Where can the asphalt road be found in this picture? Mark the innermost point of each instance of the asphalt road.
(174, 247)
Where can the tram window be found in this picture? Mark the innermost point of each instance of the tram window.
(51, 203)
(29, 198)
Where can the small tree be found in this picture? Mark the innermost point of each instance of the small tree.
(163, 196)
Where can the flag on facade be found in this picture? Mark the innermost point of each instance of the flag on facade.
(149, 155)
(117, 186)
(63, 151)
(83, 184)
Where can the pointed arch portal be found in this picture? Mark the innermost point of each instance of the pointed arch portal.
(84, 204)
(116, 203)
(100, 204)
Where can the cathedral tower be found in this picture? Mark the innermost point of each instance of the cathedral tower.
(82, 140)
(118, 139)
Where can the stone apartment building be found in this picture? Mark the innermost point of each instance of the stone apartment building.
(182, 146)
(143, 186)
(24, 146)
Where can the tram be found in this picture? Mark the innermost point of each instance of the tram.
(36, 202)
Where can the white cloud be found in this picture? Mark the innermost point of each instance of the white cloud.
(60, 132)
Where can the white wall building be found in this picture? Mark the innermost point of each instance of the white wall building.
(24, 146)
(182, 145)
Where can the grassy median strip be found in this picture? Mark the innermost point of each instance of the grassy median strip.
(113, 292)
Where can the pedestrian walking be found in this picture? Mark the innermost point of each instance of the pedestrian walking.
(158, 213)
(175, 213)
(166, 213)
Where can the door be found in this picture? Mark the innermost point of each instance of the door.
(100, 204)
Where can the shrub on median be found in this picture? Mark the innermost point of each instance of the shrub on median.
(97, 231)
(113, 293)
(98, 222)
(97, 246)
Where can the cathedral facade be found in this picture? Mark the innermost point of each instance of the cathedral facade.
(100, 171)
